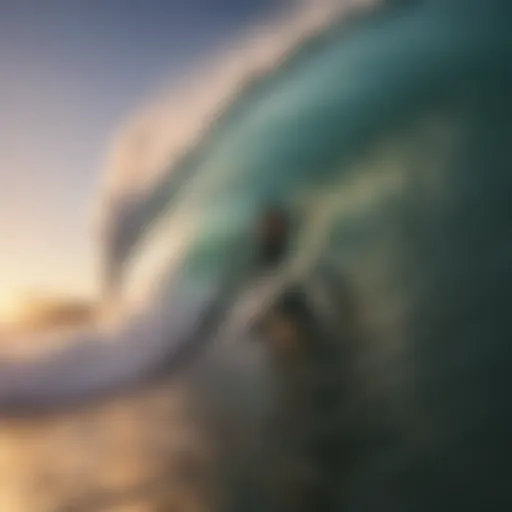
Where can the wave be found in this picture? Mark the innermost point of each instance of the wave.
(404, 131)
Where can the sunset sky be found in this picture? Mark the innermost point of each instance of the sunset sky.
(71, 74)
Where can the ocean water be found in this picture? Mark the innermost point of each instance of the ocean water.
(382, 382)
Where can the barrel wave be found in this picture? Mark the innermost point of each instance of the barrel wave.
(367, 368)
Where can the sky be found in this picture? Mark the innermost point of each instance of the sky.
(71, 73)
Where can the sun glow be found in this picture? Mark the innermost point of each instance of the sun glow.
(10, 308)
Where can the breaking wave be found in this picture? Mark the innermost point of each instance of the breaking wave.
(157, 149)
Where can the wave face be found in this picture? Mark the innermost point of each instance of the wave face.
(387, 139)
